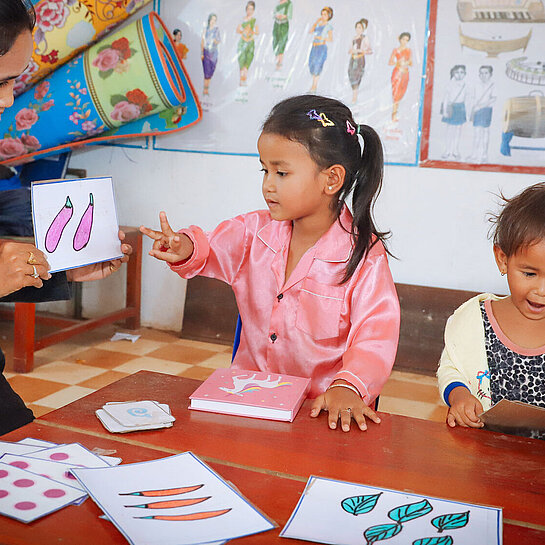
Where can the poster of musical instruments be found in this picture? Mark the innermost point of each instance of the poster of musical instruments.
(485, 90)
(245, 56)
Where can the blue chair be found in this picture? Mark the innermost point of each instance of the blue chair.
(236, 342)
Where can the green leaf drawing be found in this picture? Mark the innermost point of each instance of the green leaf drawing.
(359, 505)
(443, 540)
(102, 48)
(411, 511)
(154, 106)
(381, 532)
(115, 99)
(105, 73)
(133, 51)
(451, 522)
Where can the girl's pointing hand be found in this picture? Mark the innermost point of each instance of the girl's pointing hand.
(168, 245)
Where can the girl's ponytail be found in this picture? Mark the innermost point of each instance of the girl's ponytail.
(366, 188)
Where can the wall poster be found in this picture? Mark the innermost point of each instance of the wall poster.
(245, 56)
(485, 92)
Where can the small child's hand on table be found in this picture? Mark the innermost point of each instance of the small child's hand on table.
(345, 404)
(464, 409)
(168, 246)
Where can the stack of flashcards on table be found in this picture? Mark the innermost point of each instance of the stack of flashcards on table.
(36, 477)
(251, 393)
(177, 500)
(125, 416)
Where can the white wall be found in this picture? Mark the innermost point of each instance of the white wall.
(437, 218)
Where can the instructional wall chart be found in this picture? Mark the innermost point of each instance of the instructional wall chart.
(244, 57)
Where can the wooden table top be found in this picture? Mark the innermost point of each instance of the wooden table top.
(270, 461)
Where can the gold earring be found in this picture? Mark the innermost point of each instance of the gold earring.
(503, 273)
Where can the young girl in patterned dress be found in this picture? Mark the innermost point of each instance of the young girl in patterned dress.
(495, 346)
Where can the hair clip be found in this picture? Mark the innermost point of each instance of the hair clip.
(350, 128)
(321, 117)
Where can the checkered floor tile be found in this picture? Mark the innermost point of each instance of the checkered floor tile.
(67, 371)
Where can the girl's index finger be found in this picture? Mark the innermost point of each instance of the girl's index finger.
(165, 226)
(155, 235)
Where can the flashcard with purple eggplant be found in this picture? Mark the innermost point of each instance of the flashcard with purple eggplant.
(75, 222)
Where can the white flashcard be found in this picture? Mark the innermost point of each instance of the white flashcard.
(111, 460)
(17, 448)
(114, 426)
(177, 500)
(341, 513)
(138, 413)
(75, 222)
(26, 496)
(36, 442)
(73, 453)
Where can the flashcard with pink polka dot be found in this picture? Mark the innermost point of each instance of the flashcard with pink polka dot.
(58, 471)
(27, 496)
(73, 453)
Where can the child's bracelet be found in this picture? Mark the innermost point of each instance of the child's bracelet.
(342, 385)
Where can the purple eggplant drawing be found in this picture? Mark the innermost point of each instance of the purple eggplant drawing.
(54, 233)
(83, 232)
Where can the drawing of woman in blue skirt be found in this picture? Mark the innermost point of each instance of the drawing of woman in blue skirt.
(323, 33)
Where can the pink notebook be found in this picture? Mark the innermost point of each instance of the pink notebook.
(251, 393)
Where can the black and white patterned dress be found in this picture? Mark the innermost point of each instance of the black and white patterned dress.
(516, 373)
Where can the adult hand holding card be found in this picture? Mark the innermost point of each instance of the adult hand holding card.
(75, 222)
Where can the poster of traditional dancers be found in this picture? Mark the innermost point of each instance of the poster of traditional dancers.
(244, 56)
(485, 92)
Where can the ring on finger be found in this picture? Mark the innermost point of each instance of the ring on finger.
(348, 410)
(31, 259)
(35, 273)
(112, 267)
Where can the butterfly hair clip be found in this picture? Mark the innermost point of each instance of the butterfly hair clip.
(321, 117)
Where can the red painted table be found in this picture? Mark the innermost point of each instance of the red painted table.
(270, 461)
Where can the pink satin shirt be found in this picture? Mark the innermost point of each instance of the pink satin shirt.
(307, 325)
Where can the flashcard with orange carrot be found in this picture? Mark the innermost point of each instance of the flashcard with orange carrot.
(173, 501)
(75, 221)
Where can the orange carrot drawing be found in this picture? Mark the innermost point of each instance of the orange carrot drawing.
(169, 504)
(54, 233)
(167, 492)
(193, 516)
(83, 232)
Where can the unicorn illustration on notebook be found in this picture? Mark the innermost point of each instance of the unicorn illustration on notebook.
(243, 384)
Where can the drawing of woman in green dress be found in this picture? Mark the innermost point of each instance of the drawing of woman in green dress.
(282, 15)
(360, 47)
(246, 45)
(323, 33)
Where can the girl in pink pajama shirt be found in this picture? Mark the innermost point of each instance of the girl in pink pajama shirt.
(311, 279)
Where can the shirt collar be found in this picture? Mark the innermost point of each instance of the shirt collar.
(334, 246)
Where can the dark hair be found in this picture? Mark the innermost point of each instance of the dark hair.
(329, 12)
(210, 18)
(457, 67)
(16, 16)
(177, 31)
(332, 145)
(521, 222)
(486, 67)
(363, 22)
(250, 3)
(408, 34)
